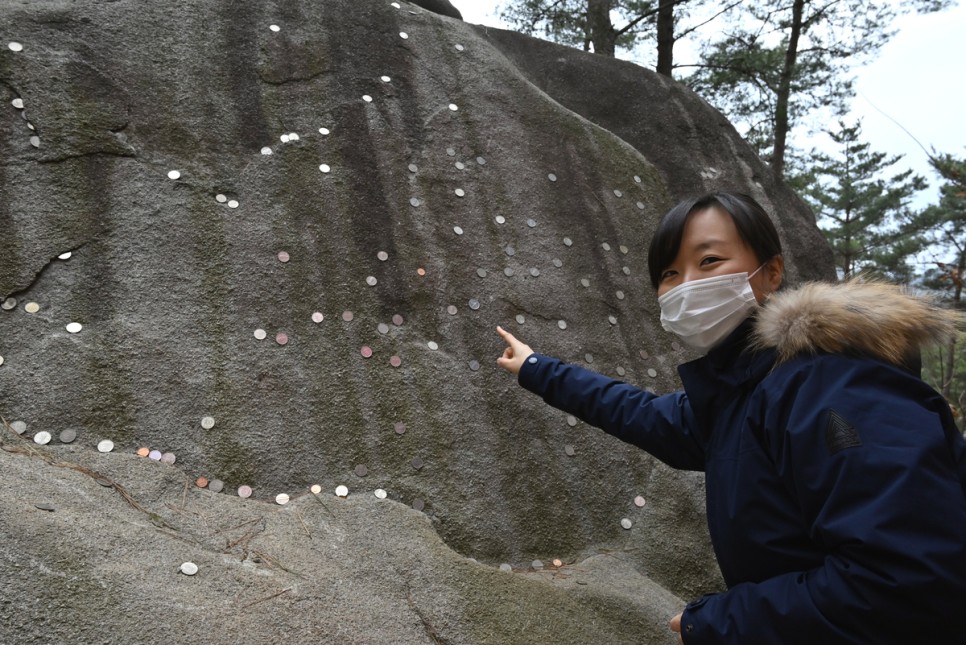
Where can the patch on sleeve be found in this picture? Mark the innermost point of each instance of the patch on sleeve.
(840, 434)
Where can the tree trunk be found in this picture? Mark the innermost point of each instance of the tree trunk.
(785, 90)
(665, 37)
(601, 29)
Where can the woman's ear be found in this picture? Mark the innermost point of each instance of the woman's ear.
(774, 271)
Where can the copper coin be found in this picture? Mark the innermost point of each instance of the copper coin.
(244, 492)
(421, 271)
(283, 256)
(397, 320)
(395, 361)
(347, 316)
(143, 452)
(399, 427)
(361, 470)
(281, 338)
(201, 482)
(216, 485)
(557, 563)
(366, 351)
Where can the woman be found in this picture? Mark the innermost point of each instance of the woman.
(836, 479)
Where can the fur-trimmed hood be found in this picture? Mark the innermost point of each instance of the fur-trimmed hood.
(854, 317)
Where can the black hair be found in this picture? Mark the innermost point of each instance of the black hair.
(751, 220)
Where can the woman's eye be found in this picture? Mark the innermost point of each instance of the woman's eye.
(668, 274)
(710, 260)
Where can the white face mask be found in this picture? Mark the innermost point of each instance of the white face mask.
(703, 312)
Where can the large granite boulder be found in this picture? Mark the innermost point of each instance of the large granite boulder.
(292, 231)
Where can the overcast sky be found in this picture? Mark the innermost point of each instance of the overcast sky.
(918, 79)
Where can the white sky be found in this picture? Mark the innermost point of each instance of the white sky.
(918, 79)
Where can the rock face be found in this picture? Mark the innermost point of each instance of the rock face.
(292, 231)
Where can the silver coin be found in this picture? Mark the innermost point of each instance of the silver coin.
(481, 161)
(154, 455)
(403, 35)
(612, 320)
(266, 150)
(281, 499)
(221, 199)
(379, 493)
(68, 435)
(19, 427)
(324, 131)
(459, 165)
(639, 501)
(506, 568)
(382, 255)
(652, 372)
(413, 168)
(385, 79)
(371, 281)
(569, 450)
(508, 272)
(74, 327)
(571, 420)
(451, 310)
(316, 489)
(35, 141)
(45, 507)
(620, 295)
(8, 304)
(520, 319)
(216, 485)
(417, 463)
(618, 193)
(318, 317)
(605, 246)
(414, 202)
(17, 103)
(367, 98)
(245, 491)
(233, 203)
(208, 423)
(532, 223)
(621, 371)
(568, 242)
(552, 177)
(637, 179)
(105, 446)
(31, 307)
(15, 47)
(459, 48)
(341, 491)
(584, 282)
(453, 107)
(481, 272)
(293, 136)
(174, 174)
(283, 138)
(535, 272)
(451, 152)
(382, 328)
(168, 458)
(1, 360)
(626, 523)
(562, 324)
(536, 564)
(260, 334)
(460, 192)
(419, 504)
(510, 251)
(457, 230)
(64, 256)
(475, 366)
(645, 355)
(640, 205)
(500, 219)
(43, 438)
(188, 568)
(624, 249)
(589, 358)
(275, 28)
(474, 304)
(626, 270)
(325, 168)
(432, 345)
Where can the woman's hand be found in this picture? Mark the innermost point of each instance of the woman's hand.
(515, 353)
(676, 627)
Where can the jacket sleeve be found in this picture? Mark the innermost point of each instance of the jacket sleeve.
(662, 425)
(871, 456)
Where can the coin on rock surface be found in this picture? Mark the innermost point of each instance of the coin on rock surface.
(626, 523)
(31, 307)
(216, 485)
(341, 491)
(208, 423)
(244, 492)
(316, 489)
(19, 427)
(105, 446)
(260, 334)
(281, 499)
(143, 451)
(68, 435)
(189, 568)
(380, 493)
(201, 482)
(42, 438)
(639, 501)
(168, 458)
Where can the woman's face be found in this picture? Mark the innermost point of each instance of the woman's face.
(711, 246)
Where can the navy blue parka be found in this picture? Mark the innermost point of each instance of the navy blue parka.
(836, 490)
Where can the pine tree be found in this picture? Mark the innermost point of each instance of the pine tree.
(863, 213)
